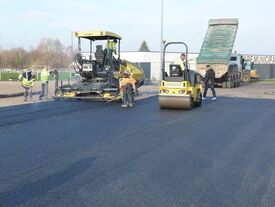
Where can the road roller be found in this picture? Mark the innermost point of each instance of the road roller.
(179, 89)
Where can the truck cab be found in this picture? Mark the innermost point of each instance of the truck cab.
(236, 59)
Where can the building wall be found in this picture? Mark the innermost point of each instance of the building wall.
(154, 59)
(265, 64)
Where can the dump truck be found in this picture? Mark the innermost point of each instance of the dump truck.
(100, 70)
(216, 51)
(179, 89)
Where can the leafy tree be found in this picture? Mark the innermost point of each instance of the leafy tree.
(144, 47)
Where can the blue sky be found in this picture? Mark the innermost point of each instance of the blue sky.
(25, 22)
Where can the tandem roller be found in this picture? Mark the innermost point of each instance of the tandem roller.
(179, 88)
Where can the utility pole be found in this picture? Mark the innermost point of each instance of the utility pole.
(161, 40)
(72, 42)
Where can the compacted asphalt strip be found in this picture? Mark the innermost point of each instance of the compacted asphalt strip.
(81, 153)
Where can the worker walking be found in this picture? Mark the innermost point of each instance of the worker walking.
(44, 78)
(127, 87)
(209, 82)
(27, 82)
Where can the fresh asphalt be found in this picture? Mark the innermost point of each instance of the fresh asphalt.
(77, 153)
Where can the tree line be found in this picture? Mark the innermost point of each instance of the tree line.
(49, 52)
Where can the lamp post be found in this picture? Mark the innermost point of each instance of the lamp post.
(161, 39)
(72, 41)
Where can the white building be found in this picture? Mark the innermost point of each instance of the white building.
(150, 61)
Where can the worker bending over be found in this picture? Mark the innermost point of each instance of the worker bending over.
(27, 82)
(127, 86)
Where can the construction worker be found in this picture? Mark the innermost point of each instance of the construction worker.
(27, 82)
(111, 49)
(127, 87)
(209, 82)
(111, 46)
(181, 61)
(44, 78)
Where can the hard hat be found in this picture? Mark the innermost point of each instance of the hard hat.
(126, 72)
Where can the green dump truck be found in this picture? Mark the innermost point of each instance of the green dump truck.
(216, 51)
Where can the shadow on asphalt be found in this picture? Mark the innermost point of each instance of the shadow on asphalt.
(35, 189)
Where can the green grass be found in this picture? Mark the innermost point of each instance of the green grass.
(271, 80)
(6, 76)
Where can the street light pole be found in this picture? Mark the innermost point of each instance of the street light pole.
(72, 41)
(161, 39)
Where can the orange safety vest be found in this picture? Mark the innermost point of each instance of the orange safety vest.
(125, 81)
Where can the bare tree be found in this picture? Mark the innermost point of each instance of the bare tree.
(16, 58)
(49, 52)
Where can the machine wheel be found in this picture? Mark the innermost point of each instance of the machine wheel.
(191, 103)
(198, 101)
(246, 78)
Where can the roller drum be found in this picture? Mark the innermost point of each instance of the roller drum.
(175, 102)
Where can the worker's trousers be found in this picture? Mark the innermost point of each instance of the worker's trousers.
(212, 89)
(44, 90)
(27, 93)
(127, 94)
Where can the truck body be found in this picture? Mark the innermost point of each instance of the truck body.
(216, 51)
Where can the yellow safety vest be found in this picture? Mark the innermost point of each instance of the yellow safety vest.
(44, 77)
(180, 62)
(25, 82)
(111, 46)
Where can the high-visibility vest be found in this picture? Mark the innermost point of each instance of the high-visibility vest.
(125, 81)
(111, 45)
(26, 81)
(44, 76)
(180, 62)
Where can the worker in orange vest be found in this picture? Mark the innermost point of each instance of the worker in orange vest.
(127, 87)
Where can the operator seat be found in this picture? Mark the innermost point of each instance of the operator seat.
(99, 55)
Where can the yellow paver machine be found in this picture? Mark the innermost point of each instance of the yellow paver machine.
(99, 69)
(179, 89)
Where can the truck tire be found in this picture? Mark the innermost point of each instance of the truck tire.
(238, 81)
(229, 84)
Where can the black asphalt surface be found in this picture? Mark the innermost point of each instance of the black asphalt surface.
(69, 153)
